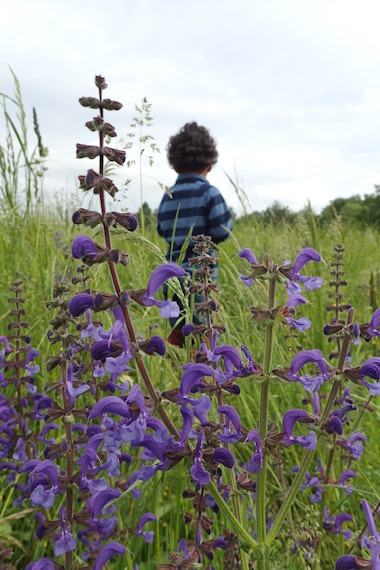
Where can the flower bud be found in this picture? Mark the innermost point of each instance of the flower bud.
(91, 102)
(114, 155)
(87, 151)
(110, 105)
(100, 82)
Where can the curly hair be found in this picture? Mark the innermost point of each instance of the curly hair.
(192, 149)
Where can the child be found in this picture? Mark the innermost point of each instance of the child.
(192, 153)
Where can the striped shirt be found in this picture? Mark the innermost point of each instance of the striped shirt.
(198, 204)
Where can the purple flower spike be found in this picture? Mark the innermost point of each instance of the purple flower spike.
(109, 550)
(168, 309)
(82, 247)
(148, 536)
(223, 456)
(79, 304)
(110, 405)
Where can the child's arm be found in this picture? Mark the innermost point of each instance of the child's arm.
(219, 216)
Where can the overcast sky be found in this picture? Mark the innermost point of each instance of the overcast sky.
(290, 89)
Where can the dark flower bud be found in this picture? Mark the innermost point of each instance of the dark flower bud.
(188, 329)
(110, 105)
(113, 154)
(118, 256)
(100, 82)
(126, 220)
(87, 151)
(155, 345)
(52, 362)
(104, 301)
(332, 328)
(87, 217)
(97, 124)
(91, 102)
(124, 298)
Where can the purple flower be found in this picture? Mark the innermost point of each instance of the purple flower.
(374, 324)
(249, 256)
(79, 304)
(192, 377)
(168, 308)
(334, 524)
(200, 475)
(310, 383)
(289, 420)
(371, 368)
(64, 541)
(256, 463)
(347, 474)
(98, 501)
(109, 550)
(188, 419)
(110, 405)
(223, 456)
(353, 444)
(302, 324)
(228, 435)
(83, 247)
(349, 563)
(372, 542)
(155, 345)
(148, 536)
(103, 349)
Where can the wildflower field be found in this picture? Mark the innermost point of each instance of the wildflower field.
(254, 447)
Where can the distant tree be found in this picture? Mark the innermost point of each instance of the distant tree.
(277, 213)
(149, 217)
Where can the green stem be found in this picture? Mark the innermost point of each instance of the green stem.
(237, 527)
(285, 507)
(263, 424)
(129, 560)
(243, 555)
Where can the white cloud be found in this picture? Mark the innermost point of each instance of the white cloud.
(290, 90)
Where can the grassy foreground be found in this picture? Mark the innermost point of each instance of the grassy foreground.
(36, 248)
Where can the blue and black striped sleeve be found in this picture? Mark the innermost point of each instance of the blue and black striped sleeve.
(219, 215)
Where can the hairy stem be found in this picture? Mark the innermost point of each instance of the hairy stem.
(115, 280)
(263, 424)
(235, 525)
